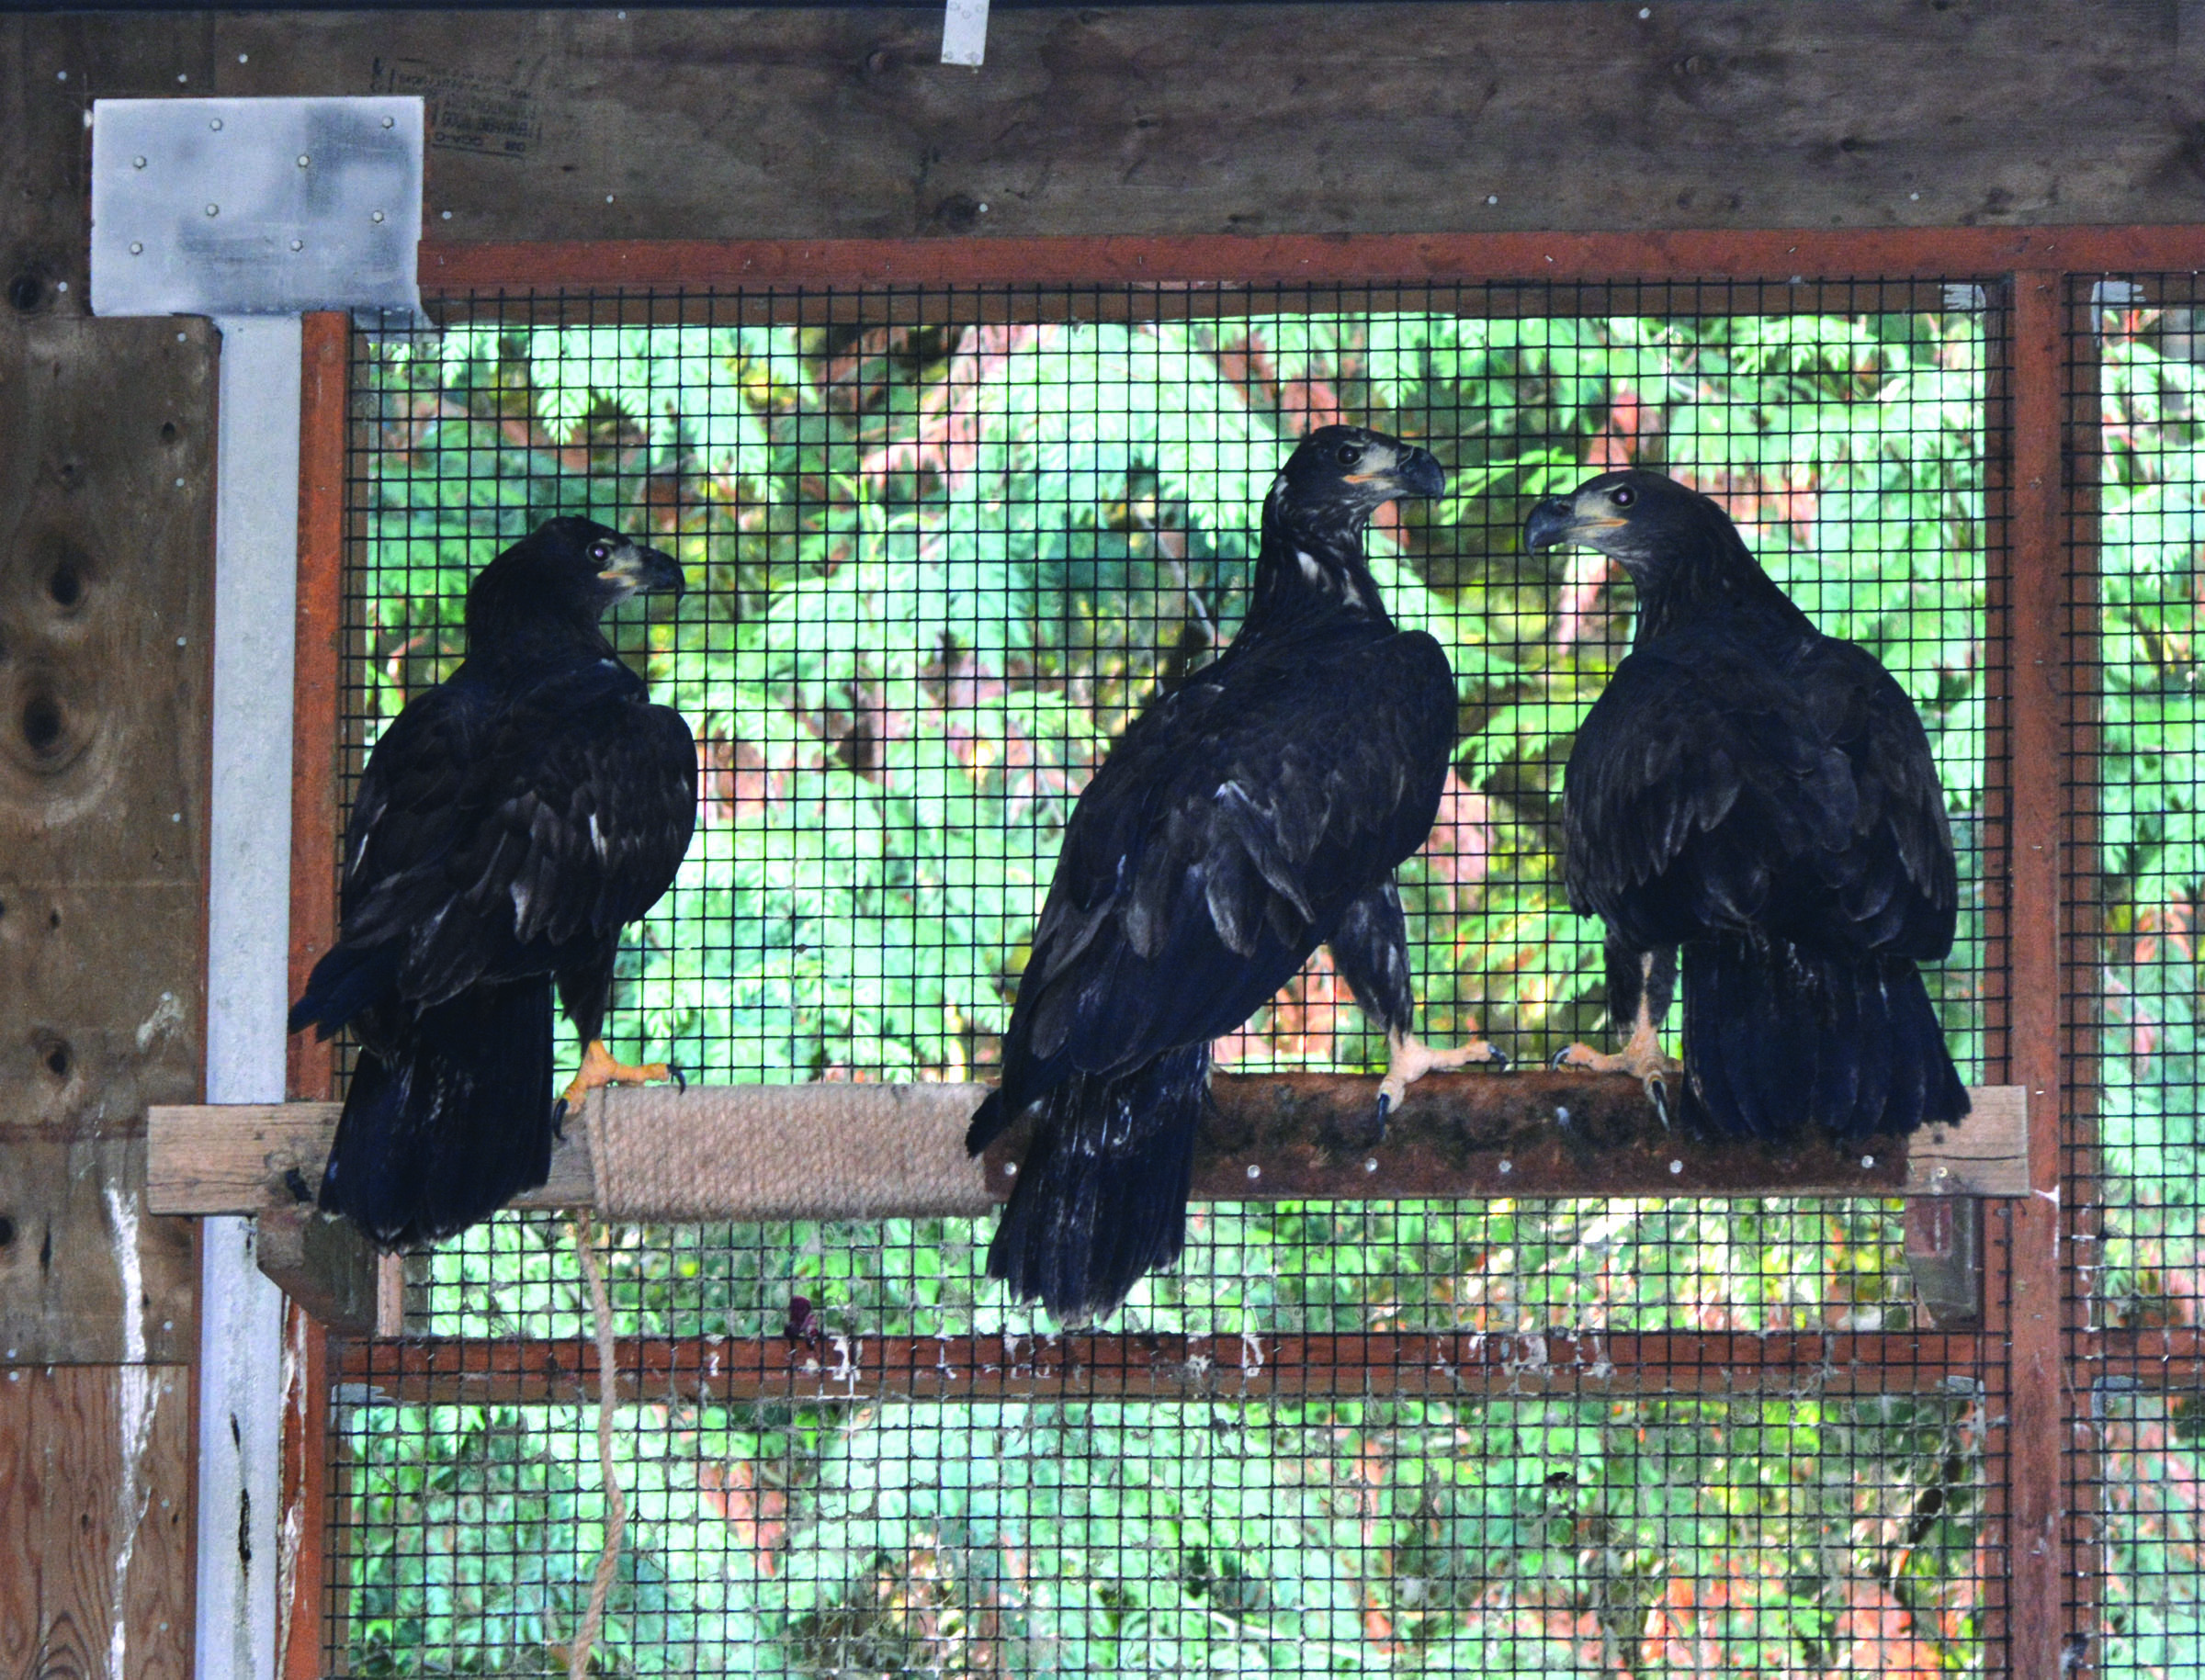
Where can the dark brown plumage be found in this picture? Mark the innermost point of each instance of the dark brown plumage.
(1255, 812)
(510, 822)
(1753, 805)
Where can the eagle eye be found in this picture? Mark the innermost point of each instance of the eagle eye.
(1350, 454)
(1622, 495)
(599, 551)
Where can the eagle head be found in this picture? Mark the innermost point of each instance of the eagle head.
(1342, 475)
(568, 571)
(1634, 517)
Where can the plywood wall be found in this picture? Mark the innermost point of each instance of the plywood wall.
(106, 498)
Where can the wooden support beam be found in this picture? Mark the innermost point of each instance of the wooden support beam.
(458, 1370)
(1275, 1138)
(818, 122)
(322, 1263)
(2041, 1406)
(1944, 1256)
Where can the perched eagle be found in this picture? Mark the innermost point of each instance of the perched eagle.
(510, 822)
(1251, 814)
(1762, 796)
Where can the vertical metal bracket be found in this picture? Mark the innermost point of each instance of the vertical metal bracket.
(252, 211)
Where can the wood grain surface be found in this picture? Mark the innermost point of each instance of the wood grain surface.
(95, 1522)
(826, 123)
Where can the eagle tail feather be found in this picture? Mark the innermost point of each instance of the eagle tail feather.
(1779, 1041)
(1100, 1198)
(445, 1129)
(346, 981)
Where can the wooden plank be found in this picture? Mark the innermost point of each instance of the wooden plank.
(1174, 277)
(104, 615)
(158, 1592)
(816, 122)
(307, 1519)
(22, 1498)
(111, 1444)
(84, 1274)
(1986, 1155)
(73, 1429)
(323, 1264)
(2038, 1400)
(1944, 1257)
(2163, 1359)
(317, 744)
(1276, 1136)
(2085, 1041)
(481, 1372)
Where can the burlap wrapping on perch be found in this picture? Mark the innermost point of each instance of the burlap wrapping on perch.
(834, 1150)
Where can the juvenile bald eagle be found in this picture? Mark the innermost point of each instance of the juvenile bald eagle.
(508, 823)
(1253, 813)
(1761, 796)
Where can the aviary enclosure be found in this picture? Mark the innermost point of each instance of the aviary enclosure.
(943, 540)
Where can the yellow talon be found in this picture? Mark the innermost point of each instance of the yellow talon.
(1410, 1059)
(599, 1068)
(1640, 1058)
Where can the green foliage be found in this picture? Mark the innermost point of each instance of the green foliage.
(1405, 1537)
(935, 570)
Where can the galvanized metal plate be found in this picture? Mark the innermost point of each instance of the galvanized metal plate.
(255, 206)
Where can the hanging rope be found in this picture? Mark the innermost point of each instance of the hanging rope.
(616, 1504)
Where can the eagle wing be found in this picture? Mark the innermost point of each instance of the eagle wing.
(1219, 845)
(1727, 784)
(493, 830)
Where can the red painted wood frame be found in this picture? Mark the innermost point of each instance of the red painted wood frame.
(2042, 487)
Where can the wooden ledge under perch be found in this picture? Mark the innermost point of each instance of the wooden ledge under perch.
(836, 1150)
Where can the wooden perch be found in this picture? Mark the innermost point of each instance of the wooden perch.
(858, 1151)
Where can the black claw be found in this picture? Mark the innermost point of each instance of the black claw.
(1657, 1093)
(1559, 1060)
(559, 1120)
(1500, 1058)
(673, 1070)
(1383, 1107)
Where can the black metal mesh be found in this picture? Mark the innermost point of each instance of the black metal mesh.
(942, 545)
(2133, 1157)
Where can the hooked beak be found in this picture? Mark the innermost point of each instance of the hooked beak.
(637, 571)
(1556, 520)
(1415, 472)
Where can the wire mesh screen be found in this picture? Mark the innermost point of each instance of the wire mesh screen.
(2135, 995)
(941, 546)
